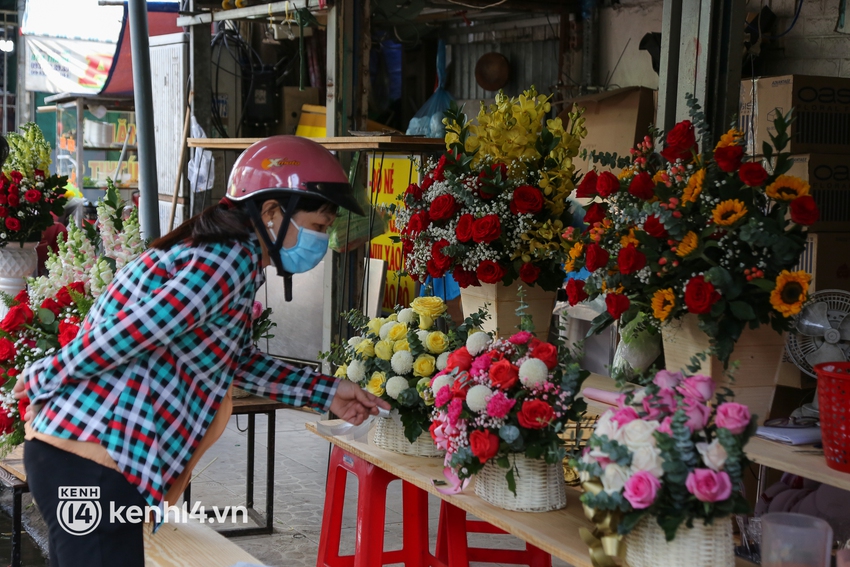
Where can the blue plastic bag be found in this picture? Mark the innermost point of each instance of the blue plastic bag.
(428, 121)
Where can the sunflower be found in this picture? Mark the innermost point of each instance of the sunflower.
(694, 187)
(660, 177)
(570, 266)
(790, 292)
(576, 250)
(787, 188)
(687, 245)
(730, 138)
(663, 302)
(629, 238)
(728, 212)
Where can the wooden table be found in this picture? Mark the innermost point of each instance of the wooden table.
(403, 144)
(174, 545)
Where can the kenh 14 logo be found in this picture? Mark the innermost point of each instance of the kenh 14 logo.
(79, 511)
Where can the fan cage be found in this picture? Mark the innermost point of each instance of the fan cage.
(799, 346)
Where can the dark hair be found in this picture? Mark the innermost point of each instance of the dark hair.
(226, 222)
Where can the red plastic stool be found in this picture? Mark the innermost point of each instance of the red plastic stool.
(371, 507)
(453, 547)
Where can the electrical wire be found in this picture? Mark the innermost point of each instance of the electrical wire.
(793, 22)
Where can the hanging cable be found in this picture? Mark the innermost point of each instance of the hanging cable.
(793, 22)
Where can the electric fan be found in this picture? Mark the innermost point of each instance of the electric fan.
(822, 331)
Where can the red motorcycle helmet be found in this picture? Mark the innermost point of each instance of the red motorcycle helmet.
(283, 166)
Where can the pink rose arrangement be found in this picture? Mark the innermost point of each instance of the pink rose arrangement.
(501, 397)
(672, 450)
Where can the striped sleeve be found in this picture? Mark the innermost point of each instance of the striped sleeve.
(270, 377)
(201, 286)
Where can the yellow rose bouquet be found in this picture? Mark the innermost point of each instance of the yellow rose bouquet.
(395, 357)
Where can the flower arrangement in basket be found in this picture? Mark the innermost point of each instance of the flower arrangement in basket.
(493, 208)
(707, 234)
(48, 316)
(503, 404)
(669, 453)
(28, 195)
(395, 357)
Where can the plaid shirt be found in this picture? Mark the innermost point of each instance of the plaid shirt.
(155, 357)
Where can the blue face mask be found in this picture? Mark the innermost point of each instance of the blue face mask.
(309, 250)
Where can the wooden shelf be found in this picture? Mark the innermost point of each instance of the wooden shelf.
(266, 11)
(389, 144)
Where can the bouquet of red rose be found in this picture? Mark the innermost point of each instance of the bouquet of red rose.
(493, 208)
(707, 234)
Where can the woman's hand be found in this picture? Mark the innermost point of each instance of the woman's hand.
(18, 392)
(354, 404)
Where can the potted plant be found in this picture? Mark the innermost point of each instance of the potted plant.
(663, 472)
(492, 210)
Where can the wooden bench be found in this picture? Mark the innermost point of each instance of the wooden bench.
(190, 544)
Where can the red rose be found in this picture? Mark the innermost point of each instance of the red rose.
(22, 297)
(437, 253)
(461, 385)
(418, 222)
(406, 246)
(681, 142)
(575, 291)
(426, 183)
(484, 445)
(434, 270)
(39, 174)
(7, 350)
(67, 332)
(4, 183)
(596, 257)
(486, 229)
(535, 414)
(464, 228)
(17, 316)
(51, 305)
(23, 404)
(438, 171)
(443, 207)
(595, 213)
(465, 278)
(700, 295)
(527, 200)
(728, 158)
(7, 422)
(459, 360)
(617, 304)
(642, 186)
(12, 223)
(4, 200)
(4, 211)
(607, 184)
(63, 297)
(16, 176)
(529, 273)
(503, 374)
(804, 210)
(414, 191)
(500, 170)
(490, 272)
(752, 173)
(32, 196)
(630, 260)
(587, 188)
(14, 200)
(653, 227)
(546, 352)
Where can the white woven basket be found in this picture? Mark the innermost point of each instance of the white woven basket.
(701, 546)
(389, 435)
(540, 487)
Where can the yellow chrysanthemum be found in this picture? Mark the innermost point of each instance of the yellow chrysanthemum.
(694, 186)
(629, 238)
(687, 245)
(663, 302)
(790, 293)
(787, 188)
(627, 173)
(728, 212)
(576, 250)
(730, 138)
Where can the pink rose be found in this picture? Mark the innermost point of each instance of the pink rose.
(699, 387)
(698, 414)
(641, 489)
(665, 426)
(499, 405)
(666, 379)
(709, 486)
(625, 415)
(733, 416)
(521, 338)
(257, 310)
(661, 404)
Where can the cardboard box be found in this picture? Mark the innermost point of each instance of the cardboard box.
(829, 178)
(616, 121)
(293, 100)
(821, 110)
(311, 123)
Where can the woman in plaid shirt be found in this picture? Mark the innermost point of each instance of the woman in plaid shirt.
(132, 403)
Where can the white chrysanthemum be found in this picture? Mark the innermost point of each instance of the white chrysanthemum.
(440, 381)
(406, 316)
(395, 386)
(423, 336)
(385, 329)
(442, 361)
(477, 397)
(402, 362)
(532, 372)
(356, 370)
(478, 343)
(354, 341)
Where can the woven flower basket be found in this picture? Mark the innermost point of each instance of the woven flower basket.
(389, 435)
(540, 486)
(701, 546)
